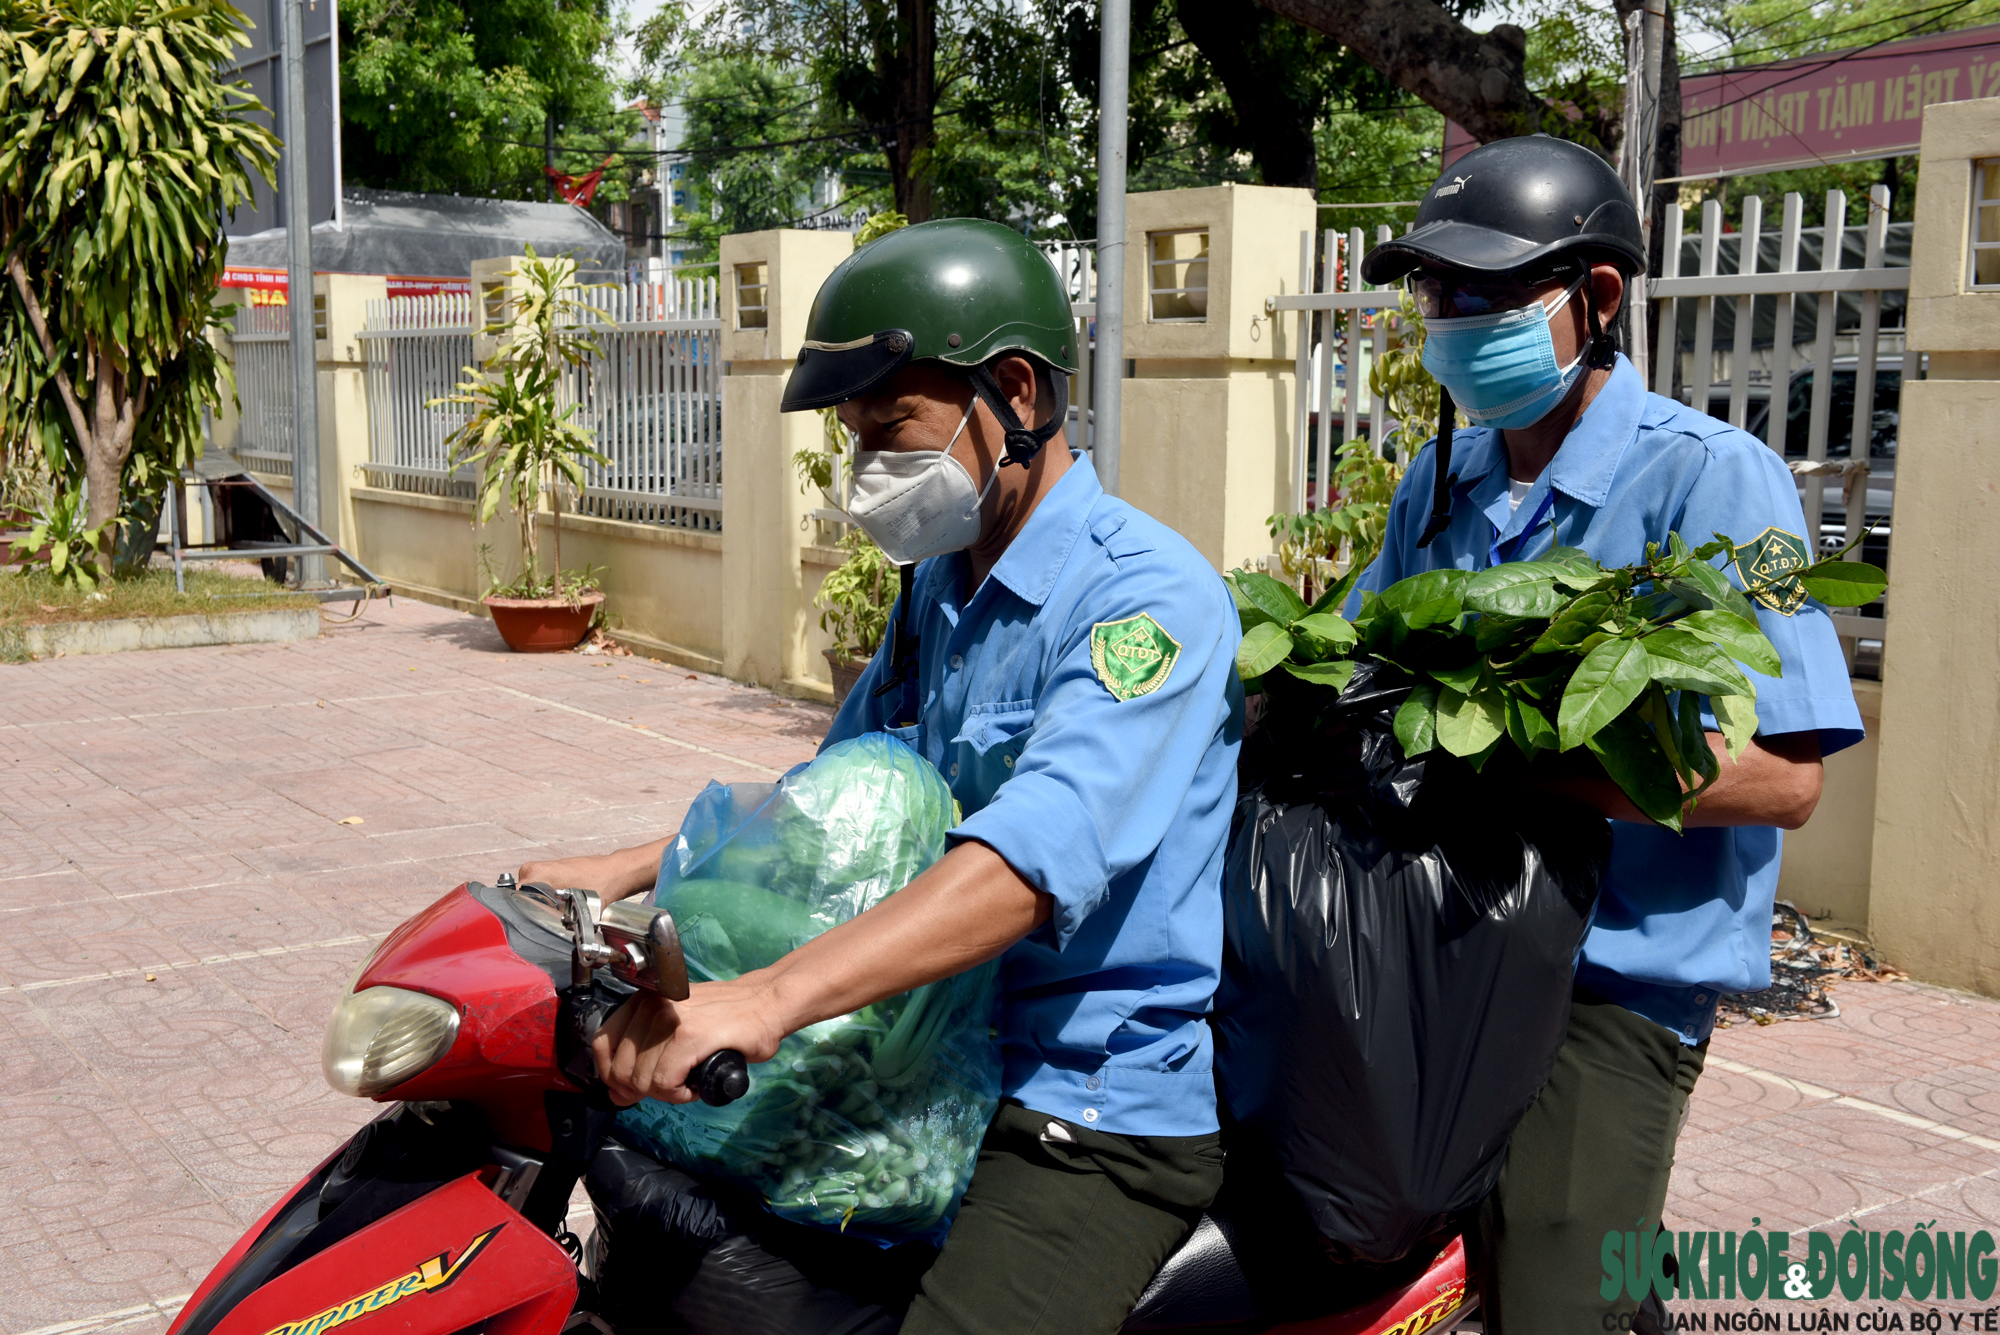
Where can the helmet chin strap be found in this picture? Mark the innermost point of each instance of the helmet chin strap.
(1602, 351)
(1023, 443)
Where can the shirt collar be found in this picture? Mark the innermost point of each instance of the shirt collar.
(1032, 561)
(1589, 457)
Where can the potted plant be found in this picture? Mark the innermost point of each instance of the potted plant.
(523, 434)
(854, 603)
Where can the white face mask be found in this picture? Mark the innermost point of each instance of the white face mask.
(916, 504)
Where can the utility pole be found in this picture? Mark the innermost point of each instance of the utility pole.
(1107, 381)
(1645, 35)
(299, 290)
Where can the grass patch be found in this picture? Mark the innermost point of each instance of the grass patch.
(37, 599)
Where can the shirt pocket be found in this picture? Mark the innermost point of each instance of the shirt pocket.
(987, 747)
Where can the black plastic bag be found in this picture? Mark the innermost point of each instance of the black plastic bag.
(676, 1255)
(1400, 941)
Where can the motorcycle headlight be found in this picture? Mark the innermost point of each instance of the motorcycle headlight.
(381, 1036)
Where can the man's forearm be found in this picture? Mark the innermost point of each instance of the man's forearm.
(1775, 782)
(614, 876)
(964, 911)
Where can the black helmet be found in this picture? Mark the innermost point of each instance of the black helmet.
(1518, 204)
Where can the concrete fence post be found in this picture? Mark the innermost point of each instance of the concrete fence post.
(1206, 445)
(769, 280)
(1936, 854)
(339, 312)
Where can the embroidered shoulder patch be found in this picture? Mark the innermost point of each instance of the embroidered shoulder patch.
(1774, 558)
(1134, 656)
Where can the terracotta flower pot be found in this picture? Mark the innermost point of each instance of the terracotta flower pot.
(846, 671)
(543, 625)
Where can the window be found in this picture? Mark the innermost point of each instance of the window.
(752, 306)
(1179, 263)
(319, 315)
(1986, 224)
(493, 299)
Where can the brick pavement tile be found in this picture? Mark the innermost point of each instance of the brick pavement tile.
(24, 851)
(617, 826)
(37, 1059)
(40, 950)
(33, 893)
(230, 919)
(153, 1041)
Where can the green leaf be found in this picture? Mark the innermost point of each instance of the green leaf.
(1464, 679)
(1336, 595)
(1609, 679)
(1741, 637)
(1416, 720)
(1529, 727)
(1694, 743)
(1574, 568)
(1469, 724)
(1248, 614)
(1575, 623)
(1274, 599)
(1517, 589)
(1263, 649)
(1843, 583)
(1683, 661)
(1335, 675)
(1335, 630)
(1429, 599)
(1705, 586)
(1631, 755)
(1737, 716)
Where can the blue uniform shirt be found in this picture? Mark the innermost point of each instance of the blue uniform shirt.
(1116, 803)
(1680, 917)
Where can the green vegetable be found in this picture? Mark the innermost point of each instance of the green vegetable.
(1552, 655)
(869, 1121)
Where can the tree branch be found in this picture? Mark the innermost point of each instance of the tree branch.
(1476, 79)
(78, 422)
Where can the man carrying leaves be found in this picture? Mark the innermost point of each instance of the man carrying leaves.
(1519, 259)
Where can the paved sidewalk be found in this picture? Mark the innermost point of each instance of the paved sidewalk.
(180, 814)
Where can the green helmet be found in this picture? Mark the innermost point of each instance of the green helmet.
(960, 291)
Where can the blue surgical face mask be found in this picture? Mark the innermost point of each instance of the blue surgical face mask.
(1501, 368)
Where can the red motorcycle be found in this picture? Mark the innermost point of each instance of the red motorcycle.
(473, 1019)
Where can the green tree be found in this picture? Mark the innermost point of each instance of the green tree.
(469, 98)
(120, 155)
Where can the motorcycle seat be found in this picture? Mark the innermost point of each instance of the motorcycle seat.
(1201, 1284)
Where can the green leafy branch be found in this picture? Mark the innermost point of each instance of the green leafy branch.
(1552, 655)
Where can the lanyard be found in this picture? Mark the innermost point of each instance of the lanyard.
(1496, 555)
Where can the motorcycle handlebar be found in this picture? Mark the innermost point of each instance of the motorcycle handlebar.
(722, 1077)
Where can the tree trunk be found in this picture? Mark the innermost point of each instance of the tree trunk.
(906, 61)
(1476, 79)
(104, 435)
(1277, 131)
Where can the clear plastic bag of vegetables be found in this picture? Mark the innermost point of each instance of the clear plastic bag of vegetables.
(869, 1122)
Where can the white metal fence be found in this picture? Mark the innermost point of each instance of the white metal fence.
(263, 360)
(1833, 418)
(1076, 265)
(418, 348)
(1342, 332)
(652, 399)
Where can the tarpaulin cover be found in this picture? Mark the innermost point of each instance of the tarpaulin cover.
(1400, 940)
(869, 1122)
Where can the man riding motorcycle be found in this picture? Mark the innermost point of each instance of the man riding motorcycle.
(1068, 664)
(1520, 259)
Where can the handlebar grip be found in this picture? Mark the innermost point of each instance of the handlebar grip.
(722, 1077)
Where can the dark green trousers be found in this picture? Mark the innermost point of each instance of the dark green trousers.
(1593, 1154)
(1063, 1227)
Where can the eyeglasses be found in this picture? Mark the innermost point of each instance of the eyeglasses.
(1441, 296)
